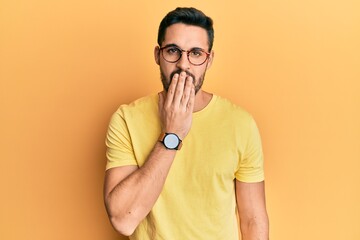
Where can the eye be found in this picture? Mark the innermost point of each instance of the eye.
(196, 53)
(172, 51)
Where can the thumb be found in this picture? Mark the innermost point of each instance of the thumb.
(191, 103)
(161, 100)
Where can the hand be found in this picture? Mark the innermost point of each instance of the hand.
(176, 106)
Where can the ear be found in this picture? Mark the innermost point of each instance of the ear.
(157, 55)
(210, 60)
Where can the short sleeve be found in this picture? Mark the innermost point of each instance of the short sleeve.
(251, 164)
(119, 150)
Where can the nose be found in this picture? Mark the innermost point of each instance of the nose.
(183, 63)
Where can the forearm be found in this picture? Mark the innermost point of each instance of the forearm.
(254, 222)
(133, 198)
(255, 229)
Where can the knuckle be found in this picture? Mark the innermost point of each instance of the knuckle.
(178, 90)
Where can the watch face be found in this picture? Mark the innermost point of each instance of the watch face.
(171, 141)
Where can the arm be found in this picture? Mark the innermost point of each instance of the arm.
(131, 192)
(254, 222)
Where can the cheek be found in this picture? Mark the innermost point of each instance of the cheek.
(166, 69)
(199, 72)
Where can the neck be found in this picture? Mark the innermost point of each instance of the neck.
(202, 99)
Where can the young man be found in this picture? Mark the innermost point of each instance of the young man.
(181, 163)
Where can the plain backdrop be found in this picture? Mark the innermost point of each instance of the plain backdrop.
(65, 67)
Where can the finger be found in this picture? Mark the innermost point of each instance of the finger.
(161, 101)
(191, 102)
(187, 91)
(179, 88)
(171, 91)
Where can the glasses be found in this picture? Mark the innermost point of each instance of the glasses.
(196, 56)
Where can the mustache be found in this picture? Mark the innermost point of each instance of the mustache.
(179, 71)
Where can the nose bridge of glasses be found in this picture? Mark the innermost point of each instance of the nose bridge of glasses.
(185, 51)
(187, 54)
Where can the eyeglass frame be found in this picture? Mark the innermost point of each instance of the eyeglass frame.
(187, 54)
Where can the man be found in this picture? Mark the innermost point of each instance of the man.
(181, 163)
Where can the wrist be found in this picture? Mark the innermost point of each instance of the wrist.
(171, 141)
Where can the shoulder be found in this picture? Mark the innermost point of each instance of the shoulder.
(231, 110)
(144, 105)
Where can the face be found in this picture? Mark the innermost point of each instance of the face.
(185, 37)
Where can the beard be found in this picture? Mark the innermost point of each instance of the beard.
(197, 82)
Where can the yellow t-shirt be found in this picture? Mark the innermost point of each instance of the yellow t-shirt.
(198, 199)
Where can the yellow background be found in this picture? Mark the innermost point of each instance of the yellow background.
(65, 66)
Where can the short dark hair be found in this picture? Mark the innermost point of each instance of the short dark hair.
(189, 16)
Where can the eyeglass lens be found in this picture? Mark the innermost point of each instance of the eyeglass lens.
(195, 56)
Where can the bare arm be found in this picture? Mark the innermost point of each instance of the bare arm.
(254, 222)
(131, 192)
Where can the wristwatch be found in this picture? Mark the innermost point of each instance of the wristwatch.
(171, 141)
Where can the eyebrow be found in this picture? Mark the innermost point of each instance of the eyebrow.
(174, 45)
(171, 45)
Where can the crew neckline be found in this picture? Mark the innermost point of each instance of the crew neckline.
(207, 107)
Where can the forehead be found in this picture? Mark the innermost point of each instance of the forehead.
(186, 36)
